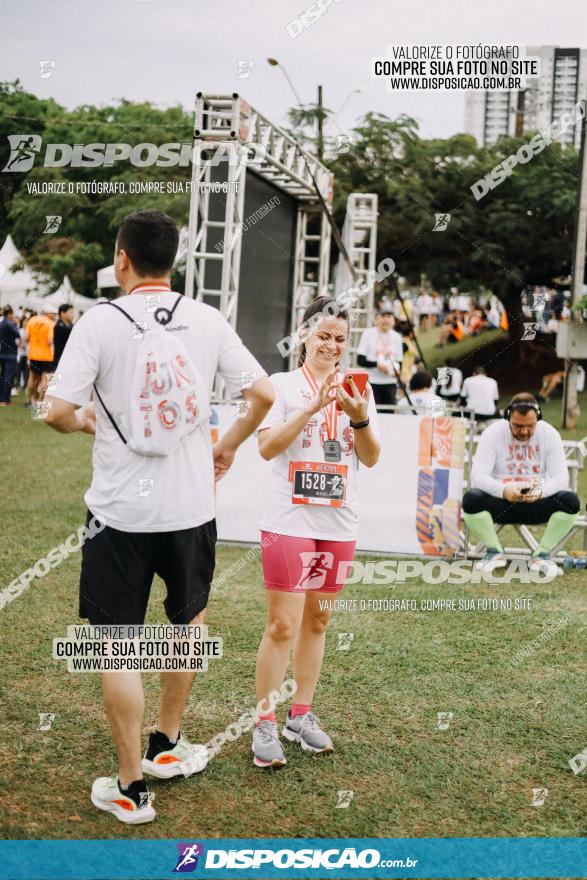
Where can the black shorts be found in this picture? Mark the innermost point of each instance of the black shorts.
(118, 570)
(41, 366)
(384, 393)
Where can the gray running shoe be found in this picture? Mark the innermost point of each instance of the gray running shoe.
(542, 562)
(493, 559)
(267, 751)
(306, 730)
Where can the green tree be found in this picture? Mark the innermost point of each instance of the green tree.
(519, 234)
(86, 236)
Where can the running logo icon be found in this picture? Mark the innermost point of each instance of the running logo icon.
(46, 719)
(530, 331)
(314, 569)
(187, 860)
(441, 222)
(539, 795)
(444, 719)
(52, 223)
(345, 797)
(23, 151)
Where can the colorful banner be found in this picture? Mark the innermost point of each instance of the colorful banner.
(294, 857)
(409, 503)
(440, 452)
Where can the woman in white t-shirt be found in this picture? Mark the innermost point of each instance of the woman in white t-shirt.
(316, 434)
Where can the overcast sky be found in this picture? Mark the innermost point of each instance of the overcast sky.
(165, 51)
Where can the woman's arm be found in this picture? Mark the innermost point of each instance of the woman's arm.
(367, 446)
(273, 441)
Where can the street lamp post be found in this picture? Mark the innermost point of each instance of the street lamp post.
(570, 402)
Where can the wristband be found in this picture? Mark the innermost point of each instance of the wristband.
(360, 424)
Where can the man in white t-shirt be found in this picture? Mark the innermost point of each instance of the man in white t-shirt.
(480, 394)
(424, 308)
(381, 351)
(519, 475)
(150, 513)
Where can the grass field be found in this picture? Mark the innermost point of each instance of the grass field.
(435, 356)
(513, 729)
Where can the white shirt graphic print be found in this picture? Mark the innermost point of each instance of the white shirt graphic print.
(280, 515)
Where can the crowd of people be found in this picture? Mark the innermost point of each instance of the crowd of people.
(399, 377)
(456, 315)
(31, 345)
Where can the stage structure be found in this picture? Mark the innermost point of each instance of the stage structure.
(359, 235)
(286, 258)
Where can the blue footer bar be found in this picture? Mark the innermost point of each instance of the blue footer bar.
(294, 857)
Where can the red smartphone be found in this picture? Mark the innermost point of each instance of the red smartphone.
(360, 378)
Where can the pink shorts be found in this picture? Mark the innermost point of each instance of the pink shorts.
(295, 565)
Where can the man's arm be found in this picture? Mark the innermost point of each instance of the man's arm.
(259, 399)
(66, 418)
(70, 408)
(363, 351)
(483, 466)
(557, 472)
(235, 362)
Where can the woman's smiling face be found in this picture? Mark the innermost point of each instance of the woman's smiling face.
(327, 343)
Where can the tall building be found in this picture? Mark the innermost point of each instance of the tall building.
(562, 82)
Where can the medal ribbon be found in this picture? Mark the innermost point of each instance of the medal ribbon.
(330, 412)
(382, 347)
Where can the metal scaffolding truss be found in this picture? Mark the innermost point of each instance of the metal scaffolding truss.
(359, 235)
(230, 134)
(276, 156)
(311, 266)
(224, 232)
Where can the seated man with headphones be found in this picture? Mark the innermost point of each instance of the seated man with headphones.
(519, 475)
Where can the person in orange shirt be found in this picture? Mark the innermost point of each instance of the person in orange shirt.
(39, 331)
(452, 330)
(456, 331)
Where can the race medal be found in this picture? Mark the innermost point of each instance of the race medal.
(331, 445)
(331, 450)
(318, 482)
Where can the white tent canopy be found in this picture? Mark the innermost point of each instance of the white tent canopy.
(106, 277)
(18, 289)
(66, 294)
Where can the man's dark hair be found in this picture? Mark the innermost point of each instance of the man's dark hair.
(420, 380)
(6, 311)
(64, 307)
(524, 402)
(151, 239)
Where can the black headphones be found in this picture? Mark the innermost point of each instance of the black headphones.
(523, 407)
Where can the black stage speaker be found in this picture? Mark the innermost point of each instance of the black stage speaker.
(266, 266)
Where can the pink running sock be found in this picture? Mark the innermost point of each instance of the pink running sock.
(268, 716)
(298, 709)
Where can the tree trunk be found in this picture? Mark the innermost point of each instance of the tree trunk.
(511, 299)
